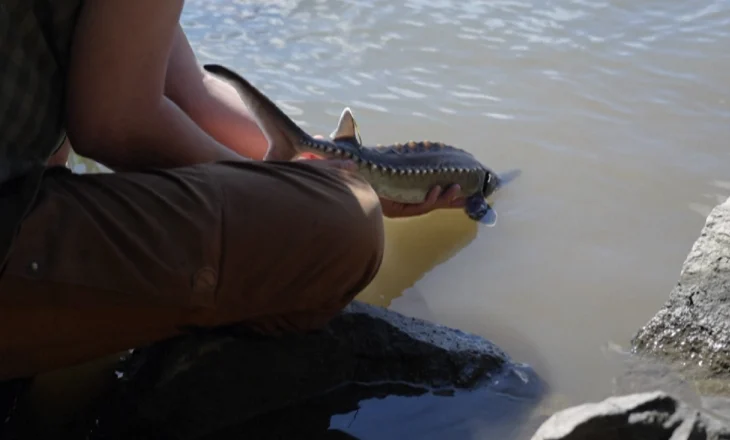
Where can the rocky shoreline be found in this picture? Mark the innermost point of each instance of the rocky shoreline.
(229, 383)
(646, 416)
(193, 387)
(693, 327)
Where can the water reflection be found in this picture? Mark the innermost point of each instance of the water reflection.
(414, 247)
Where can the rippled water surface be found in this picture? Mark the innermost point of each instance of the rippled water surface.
(617, 113)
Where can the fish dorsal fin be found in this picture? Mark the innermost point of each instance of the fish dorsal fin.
(347, 128)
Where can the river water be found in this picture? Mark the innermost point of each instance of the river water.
(616, 112)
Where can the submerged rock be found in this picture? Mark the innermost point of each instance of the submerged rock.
(205, 384)
(645, 416)
(693, 327)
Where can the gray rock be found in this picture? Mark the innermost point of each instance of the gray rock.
(203, 384)
(693, 327)
(646, 416)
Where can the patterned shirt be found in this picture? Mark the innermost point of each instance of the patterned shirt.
(35, 37)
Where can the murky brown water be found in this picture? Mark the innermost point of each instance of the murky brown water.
(617, 113)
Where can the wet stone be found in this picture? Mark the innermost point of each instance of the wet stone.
(642, 416)
(208, 385)
(693, 327)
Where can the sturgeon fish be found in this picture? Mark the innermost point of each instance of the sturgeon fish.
(400, 172)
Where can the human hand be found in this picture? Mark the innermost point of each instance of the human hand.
(436, 199)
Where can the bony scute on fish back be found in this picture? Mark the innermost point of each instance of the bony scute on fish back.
(403, 173)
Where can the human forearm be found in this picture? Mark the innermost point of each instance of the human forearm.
(213, 104)
(162, 137)
(116, 111)
(222, 114)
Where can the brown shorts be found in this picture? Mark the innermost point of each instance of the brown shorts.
(107, 262)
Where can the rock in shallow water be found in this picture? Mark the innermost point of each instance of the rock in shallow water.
(201, 385)
(646, 416)
(693, 327)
